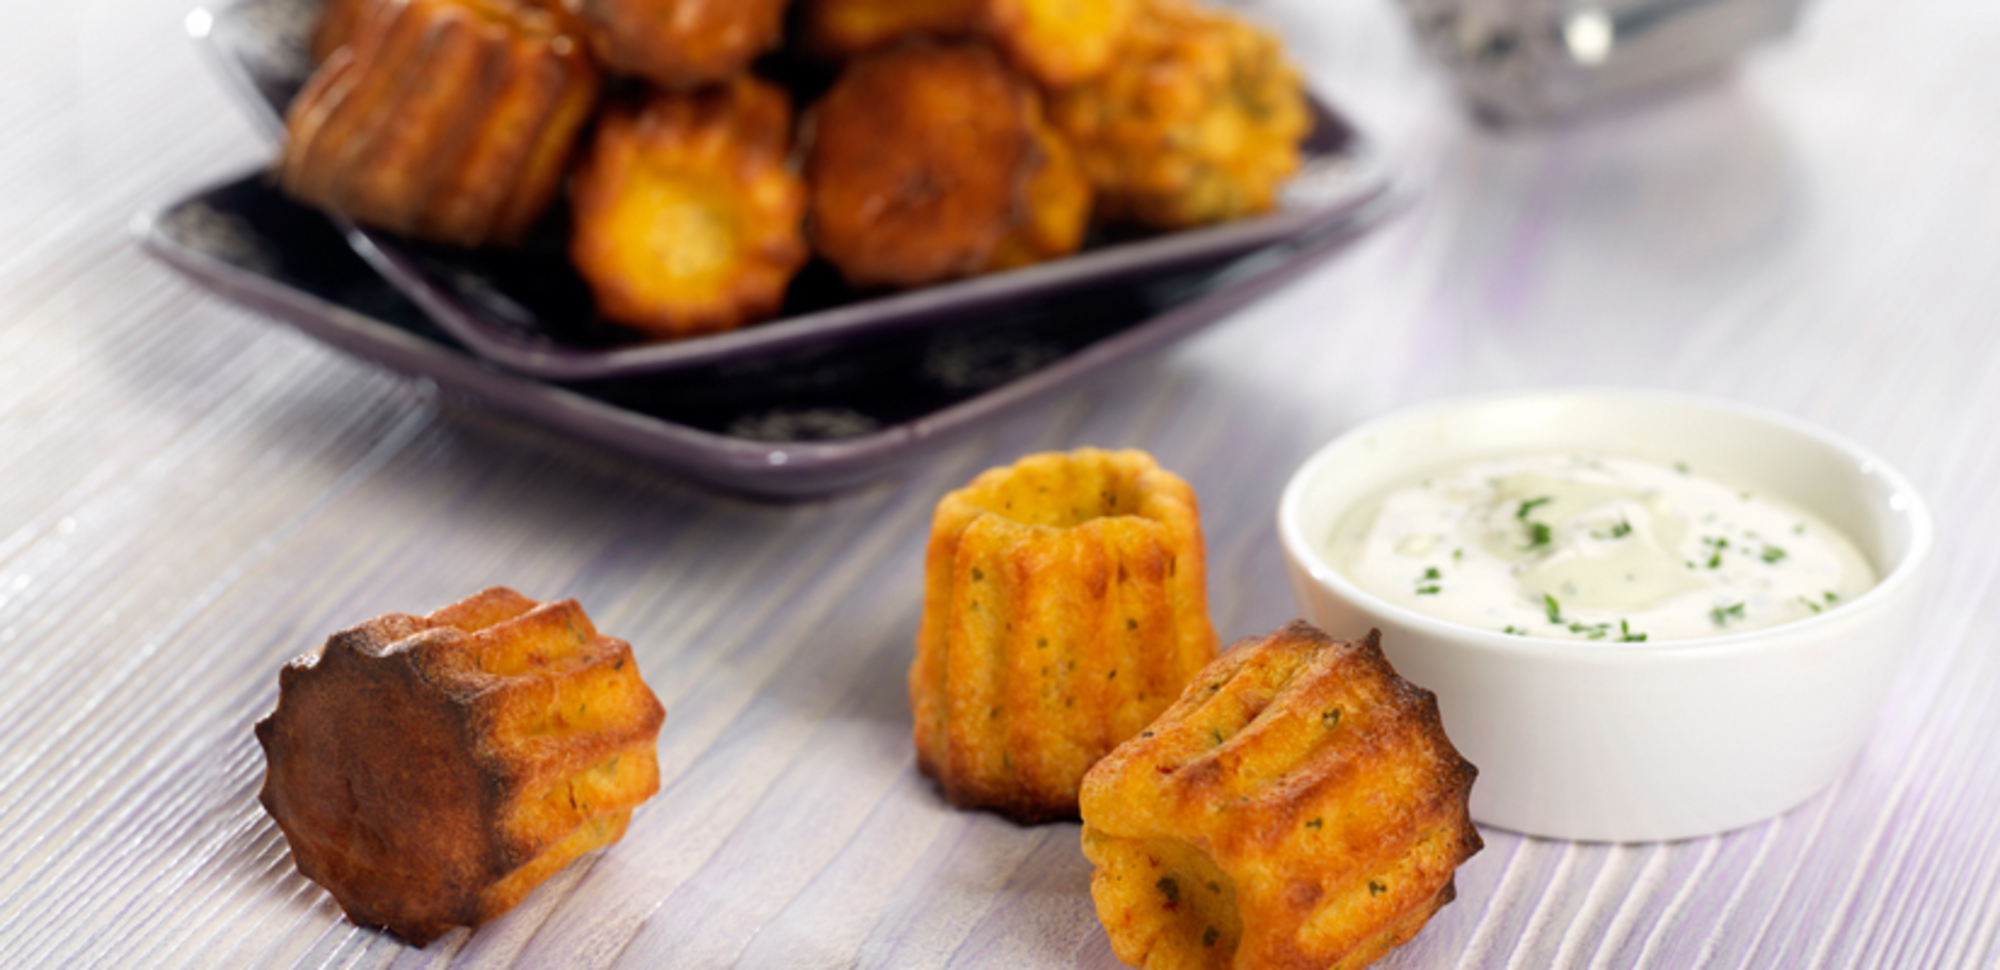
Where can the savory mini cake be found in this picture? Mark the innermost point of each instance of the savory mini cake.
(430, 771)
(1299, 806)
(845, 28)
(687, 218)
(1065, 605)
(1060, 42)
(931, 162)
(1055, 202)
(338, 22)
(1198, 120)
(680, 44)
(445, 120)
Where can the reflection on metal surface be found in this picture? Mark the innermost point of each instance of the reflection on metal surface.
(1590, 35)
(1531, 61)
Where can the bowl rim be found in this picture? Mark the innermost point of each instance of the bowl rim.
(1904, 573)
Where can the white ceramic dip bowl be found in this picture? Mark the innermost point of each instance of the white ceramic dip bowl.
(1613, 741)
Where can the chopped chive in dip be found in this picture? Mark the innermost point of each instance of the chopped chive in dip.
(1538, 536)
(1715, 545)
(1585, 547)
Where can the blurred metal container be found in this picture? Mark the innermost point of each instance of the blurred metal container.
(1533, 61)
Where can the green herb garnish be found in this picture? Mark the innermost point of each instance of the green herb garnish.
(1723, 614)
(1538, 536)
(1715, 544)
(1625, 634)
(1619, 531)
(1553, 608)
(1772, 554)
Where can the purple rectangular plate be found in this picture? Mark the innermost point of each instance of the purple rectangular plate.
(529, 312)
(799, 421)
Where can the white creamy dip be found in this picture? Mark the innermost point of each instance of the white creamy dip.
(1588, 548)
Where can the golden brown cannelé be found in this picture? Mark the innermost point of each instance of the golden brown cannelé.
(1198, 119)
(687, 217)
(445, 120)
(430, 771)
(1298, 806)
(1065, 605)
(930, 162)
(679, 44)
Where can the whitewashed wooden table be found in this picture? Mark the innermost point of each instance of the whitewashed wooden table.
(190, 495)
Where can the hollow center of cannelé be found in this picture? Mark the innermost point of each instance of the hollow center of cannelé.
(1065, 494)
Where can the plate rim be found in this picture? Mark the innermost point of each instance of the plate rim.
(774, 469)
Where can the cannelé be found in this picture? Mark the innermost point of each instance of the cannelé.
(1198, 119)
(930, 162)
(430, 771)
(687, 218)
(679, 44)
(1065, 605)
(444, 120)
(1298, 806)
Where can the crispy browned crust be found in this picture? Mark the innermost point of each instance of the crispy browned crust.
(338, 21)
(1060, 42)
(430, 771)
(845, 28)
(924, 167)
(1065, 604)
(1198, 119)
(1298, 807)
(447, 120)
(688, 219)
(1055, 206)
(680, 44)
